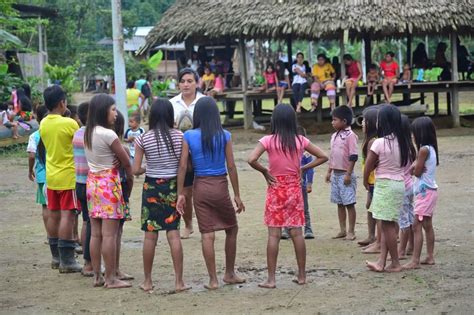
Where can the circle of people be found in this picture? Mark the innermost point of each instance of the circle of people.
(88, 169)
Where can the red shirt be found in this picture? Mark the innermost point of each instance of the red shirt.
(353, 70)
(389, 69)
(270, 77)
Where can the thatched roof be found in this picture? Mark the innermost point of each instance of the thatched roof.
(309, 19)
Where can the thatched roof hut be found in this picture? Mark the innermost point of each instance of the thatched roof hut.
(203, 20)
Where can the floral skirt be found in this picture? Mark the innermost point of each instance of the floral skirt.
(159, 205)
(104, 195)
(284, 205)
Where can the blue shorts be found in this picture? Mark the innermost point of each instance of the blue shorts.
(407, 214)
(283, 84)
(343, 194)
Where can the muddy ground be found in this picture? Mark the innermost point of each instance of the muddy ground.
(338, 279)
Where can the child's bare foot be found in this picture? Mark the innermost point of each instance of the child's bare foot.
(402, 257)
(181, 287)
(123, 276)
(147, 286)
(99, 282)
(233, 279)
(428, 261)
(300, 280)
(411, 265)
(366, 242)
(339, 235)
(213, 285)
(117, 284)
(373, 248)
(350, 237)
(374, 266)
(393, 268)
(267, 285)
(409, 251)
(187, 233)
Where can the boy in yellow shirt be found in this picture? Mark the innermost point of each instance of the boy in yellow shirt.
(57, 132)
(323, 75)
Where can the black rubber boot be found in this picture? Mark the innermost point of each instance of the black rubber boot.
(67, 259)
(53, 246)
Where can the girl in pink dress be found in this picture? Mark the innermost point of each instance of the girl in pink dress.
(284, 203)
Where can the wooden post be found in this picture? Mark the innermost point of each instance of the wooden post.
(248, 116)
(368, 52)
(343, 69)
(289, 45)
(409, 41)
(455, 77)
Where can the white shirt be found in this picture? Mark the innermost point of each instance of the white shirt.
(297, 79)
(193, 64)
(180, 108)
(101, 157)
(4, 117)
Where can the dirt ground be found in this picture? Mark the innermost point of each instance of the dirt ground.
(338, 279)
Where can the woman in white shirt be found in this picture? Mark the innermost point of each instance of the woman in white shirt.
(183, 106)
(300, 83)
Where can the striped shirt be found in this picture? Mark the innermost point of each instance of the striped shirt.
(160, 163)
(80, 160)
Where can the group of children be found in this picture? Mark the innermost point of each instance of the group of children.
(323, 76)
(90, 164)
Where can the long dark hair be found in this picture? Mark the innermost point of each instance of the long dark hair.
(207, 118)
(424, 132)
(119, 126)
(161, 121)
(41, 112)
(407, 134)
(97, 116)
(370, 120)
(281, 70)
(389, 125)
(285, 128)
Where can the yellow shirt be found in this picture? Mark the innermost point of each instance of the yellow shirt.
(210, 77)
(57, 132)
(323, 73)
(371, 179)
(132, 97)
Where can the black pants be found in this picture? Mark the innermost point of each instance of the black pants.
(82, 197)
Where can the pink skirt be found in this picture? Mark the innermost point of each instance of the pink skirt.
(425, 202)
(284, 205)
(104, 195)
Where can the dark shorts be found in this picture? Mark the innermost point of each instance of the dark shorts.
(159, 205)
(81, 194)
(189, 179)
(62, 200)
(272, 85)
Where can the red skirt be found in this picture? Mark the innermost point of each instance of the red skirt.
(284, 205)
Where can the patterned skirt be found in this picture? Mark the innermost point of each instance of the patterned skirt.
(159, 205)
(104, 195)
(284, 205)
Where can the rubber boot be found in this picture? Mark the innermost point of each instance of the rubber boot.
(67, 259)
(53, 246)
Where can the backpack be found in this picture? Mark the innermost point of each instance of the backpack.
(185, 121)
(146, 90)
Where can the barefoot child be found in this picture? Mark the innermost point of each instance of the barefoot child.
(210, 147)
(307, 188)
(283, 80)
(104, 190)
(36, 165)
(56, 133)
(388, 155)
(369, 128)
(372, 80)
(344, 155)
(82, 169)
(407, 217)
(425, 189)
(132, 133)
(161, 146)
(284, 202)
